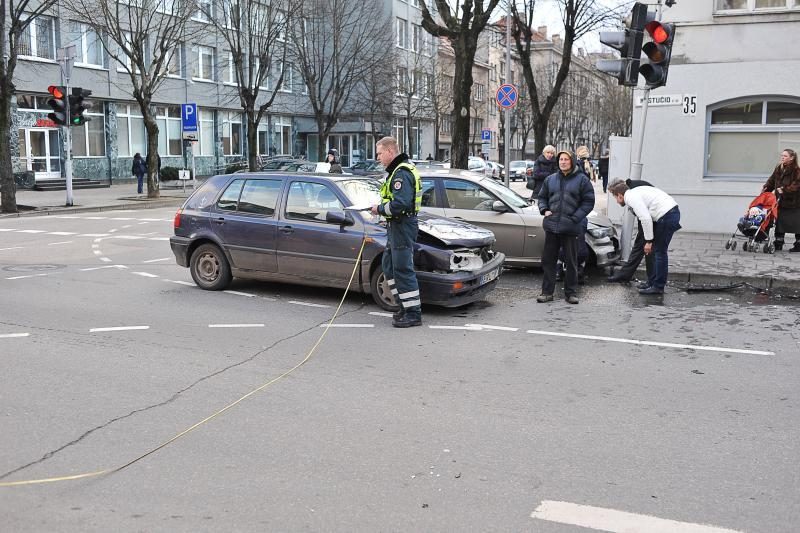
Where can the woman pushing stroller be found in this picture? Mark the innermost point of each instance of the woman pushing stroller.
(785, 182)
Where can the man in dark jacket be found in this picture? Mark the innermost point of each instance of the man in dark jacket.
(565, 199)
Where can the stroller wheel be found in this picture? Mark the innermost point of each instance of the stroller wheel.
(755, 248)
(744, 246)
(769, 249)
(733, 245)
(728, 244)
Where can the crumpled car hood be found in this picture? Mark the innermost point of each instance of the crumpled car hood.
(454, 232)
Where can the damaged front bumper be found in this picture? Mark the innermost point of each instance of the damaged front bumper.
(454, 289)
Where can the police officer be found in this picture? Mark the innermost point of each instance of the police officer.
(401, 198)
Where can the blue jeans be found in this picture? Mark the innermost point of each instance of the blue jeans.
(398, 263)
(663, 230)
(140, 183)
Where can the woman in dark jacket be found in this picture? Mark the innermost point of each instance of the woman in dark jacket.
(333, 159)
(565, 199)
(545, 165)
(785, 181)
(139, 169)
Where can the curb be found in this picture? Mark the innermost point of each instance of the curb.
(132, 205)
(768, 283)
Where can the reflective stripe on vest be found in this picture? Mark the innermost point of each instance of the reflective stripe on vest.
(386, 190)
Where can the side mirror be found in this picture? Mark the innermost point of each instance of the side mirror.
(339, 218)
(499, 207)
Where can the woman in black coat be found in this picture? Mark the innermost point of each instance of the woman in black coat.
(545, 165)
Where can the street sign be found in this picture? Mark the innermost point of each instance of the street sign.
(486, 135)
(189, 121)
(184, 175)
(658, 100)
(507, 96)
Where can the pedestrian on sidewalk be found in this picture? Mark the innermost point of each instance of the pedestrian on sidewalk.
(660, 217)
(583, 156)
(626, 272)
(139, 169)
(333, 160)
(545, 165)
(565, 199)
(785, 181)
(602, 168)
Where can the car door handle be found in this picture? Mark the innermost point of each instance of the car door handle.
(287, 229)
(219, 220)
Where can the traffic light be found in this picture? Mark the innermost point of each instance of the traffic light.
(629, 43)
(58, 103)
(77, 106)
(658, 51)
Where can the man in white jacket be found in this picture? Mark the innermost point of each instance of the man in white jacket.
(660, 217)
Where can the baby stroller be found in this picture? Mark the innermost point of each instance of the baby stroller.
(757, 225)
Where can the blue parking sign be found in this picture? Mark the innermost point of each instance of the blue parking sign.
(486, 135)
(189, 118)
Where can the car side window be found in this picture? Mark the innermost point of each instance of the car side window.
(230, 198)
(311, 201)
(260, 197)
(467, 195)
(429, 193)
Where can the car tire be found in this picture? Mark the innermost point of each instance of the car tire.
(209, 267)
(381, 292)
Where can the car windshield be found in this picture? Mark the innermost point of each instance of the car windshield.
(504, 193)
(517, 164)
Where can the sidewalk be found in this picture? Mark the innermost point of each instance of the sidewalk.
(696, 258)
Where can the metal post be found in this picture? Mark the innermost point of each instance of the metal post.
(194, 172)
(636, 165)
(507, 112)
(66, 56)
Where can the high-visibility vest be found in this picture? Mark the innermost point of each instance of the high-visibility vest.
(387, 195)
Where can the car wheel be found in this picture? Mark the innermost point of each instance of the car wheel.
(209, 268)
(381, 292)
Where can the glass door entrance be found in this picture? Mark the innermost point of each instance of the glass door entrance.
(43, 153)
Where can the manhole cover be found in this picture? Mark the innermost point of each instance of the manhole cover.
(33, 268)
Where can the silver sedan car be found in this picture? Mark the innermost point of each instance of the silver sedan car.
(516, 224)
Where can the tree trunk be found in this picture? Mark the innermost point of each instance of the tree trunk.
(8, 188)
(151, 126)
(462, 89)
(252, 139)
(322, 139)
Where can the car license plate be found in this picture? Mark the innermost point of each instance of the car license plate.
(490, 276)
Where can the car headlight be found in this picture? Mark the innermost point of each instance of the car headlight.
(599, 233)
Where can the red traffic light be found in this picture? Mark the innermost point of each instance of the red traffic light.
(57, 91)
(660, 33)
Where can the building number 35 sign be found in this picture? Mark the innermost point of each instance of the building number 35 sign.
(687, 102)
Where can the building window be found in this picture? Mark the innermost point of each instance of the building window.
(206, 130)
(131, 135)
(480, 92)
(402, 33)
(38, 39)
(416, 37)
(204, 11)
(402, 81)
(173, 64)
(746, 137)
(170, 137)
(399, 132)
(231, 133)
(203, 64)
(288, 78)
(90, 48)
(89, 139)
(754, 5)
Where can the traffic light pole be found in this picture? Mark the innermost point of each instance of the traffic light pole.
(637, 165)
(67, 56)
(507, 111)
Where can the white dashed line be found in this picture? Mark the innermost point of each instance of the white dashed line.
(93, 235)
(307, 304)
(650, 343)
(236, 325)
(497, 328)
(7, 229)
(105, 259)
(95, 218)
(145, 274)
(31, 276)
(12, 248)
(348, 325)
(13, 335)
(97, 252)
(62, 242)
(120, 328)
(158, 239)
(237, 293)
(603, 519)
(102, 267)
(62, 233)
(465, 328)
(375, 313)
(31, 231)
(179, 282)
(157, 260)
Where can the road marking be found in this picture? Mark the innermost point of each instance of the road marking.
(93, 235)
(375, 313)
(145, 274)
(102, 267)
(62, 242)
(650, 343)
(157, 260)
(30, 276)
(497, 328)
(62, 233)
(129, 237)
(237, 293)
(97, 252)
(120, 328)
(122, 218)
(236, 325)
(95, 245)
(7, 229)
(112, 231)
(465, 328)
(105, 259)
(31, 231)
(180, 282)
(307, 304)
(158, 239)
(95, 218)
(12, 248)
(13, 335)
(603, 519)
(347, 325)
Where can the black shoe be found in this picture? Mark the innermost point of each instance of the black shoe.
(795, 248)
(542, 298)
(572, 299)
(407, 321)
(651, 290)
(778, 246)
(397, 315)
(643, 285)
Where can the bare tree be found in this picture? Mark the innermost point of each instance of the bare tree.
(144, 37)
(441, 97)
(579, 18)
(334, 46)
(377, 95)
(461, 23)
(16, 18)
(615, 110)
(414, 87)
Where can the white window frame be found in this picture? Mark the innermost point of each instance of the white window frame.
(84, 47)
(228, 118)
(132, 112)
(197, 56)
(199, 15)
(178, 50)
(163, 116)
(205, 116)
(402, 33)
(32, 30)
(288, 79)
(750, 6)
(96, 114)
(402, 81)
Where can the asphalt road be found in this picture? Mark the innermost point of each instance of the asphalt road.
(674, 412)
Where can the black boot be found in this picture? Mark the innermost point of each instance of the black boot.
(397, 315)
(778, 246)
(795, 247)
(408, 320)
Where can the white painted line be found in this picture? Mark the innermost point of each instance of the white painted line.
(95, 245)
(112, 231)
(376, 313)
(348, 325)
(120, 328)
(7, 229)
(129, 237)
(30, 276)
(97, 252)
(180, 282)
(13, 335)
(105, 259)
(497, 328)
(237, 293)
(62, 233)
(12, 248)
(62, 242)
(95, 218)
(145, 274)
(603, 519)
(158, 239)
(102, 267)
(31, 231)
(66, 216)
(93, 235)
(152, 219)
(122, 218)
(465, 328)
(307, 304)
(236, 325)
(650, 343)
(157, 260)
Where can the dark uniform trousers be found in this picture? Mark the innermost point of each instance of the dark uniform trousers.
(398, 263)
(569, 244)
